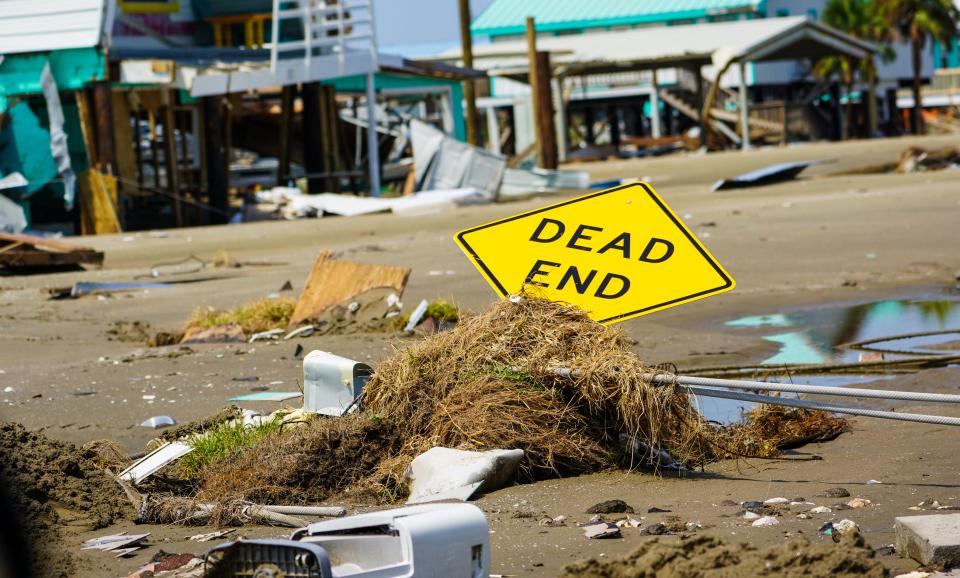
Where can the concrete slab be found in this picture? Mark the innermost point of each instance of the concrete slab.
(931, 540)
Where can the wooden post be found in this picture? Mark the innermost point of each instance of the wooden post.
(226, 108)
(125, 142)
(613, 119)
(313, 136)
(103, 115)
(701, 118)
(170, 154)
(138, 149)
(532, 76)
(214, 158)
(154, 147)
(287, 98)
(186, 175)
(469, 87)
(544, 115)
(331, 137)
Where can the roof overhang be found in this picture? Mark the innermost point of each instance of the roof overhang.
(688, 46)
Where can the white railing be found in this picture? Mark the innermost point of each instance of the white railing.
(338, 39)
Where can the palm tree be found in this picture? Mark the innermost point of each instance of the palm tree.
(844, 67)
(858, 18)
(917, 20)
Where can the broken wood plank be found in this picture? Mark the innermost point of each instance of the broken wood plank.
(19, 250)
(332, 282)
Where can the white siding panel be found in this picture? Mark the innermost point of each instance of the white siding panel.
(42, 25)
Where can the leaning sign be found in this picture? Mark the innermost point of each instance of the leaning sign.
(618, 254)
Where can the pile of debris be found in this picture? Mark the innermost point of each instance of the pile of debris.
(528, 375)
(918, 159)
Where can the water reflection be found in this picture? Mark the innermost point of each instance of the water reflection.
(820, 330)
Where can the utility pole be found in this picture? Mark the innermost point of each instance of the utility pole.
(469, 87)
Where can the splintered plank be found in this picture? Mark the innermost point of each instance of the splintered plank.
(332, 282)
(18, 250)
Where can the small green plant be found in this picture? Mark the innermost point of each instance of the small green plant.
(441, 310)
(220, 442)
(261, 315)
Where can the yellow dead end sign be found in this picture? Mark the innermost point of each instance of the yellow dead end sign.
(618, 254)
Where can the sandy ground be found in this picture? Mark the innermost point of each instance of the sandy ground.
(819, 239)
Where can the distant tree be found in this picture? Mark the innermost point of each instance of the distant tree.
(916, 20)
(861, 19)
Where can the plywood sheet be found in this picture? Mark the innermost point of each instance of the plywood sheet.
(332, 282)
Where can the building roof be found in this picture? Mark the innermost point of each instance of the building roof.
(509, 16)
(664, 46)
(44, 25)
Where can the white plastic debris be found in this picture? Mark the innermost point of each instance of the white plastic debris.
(271, 334)
(765, 521)
(152, 462)
(305, 331)
(445, 473)
(859, 503)
(416, 316)
(845, 526)
(159, 421)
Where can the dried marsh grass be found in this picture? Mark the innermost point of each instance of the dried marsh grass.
(492, 382)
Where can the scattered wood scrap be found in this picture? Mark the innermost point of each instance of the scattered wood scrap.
(23, 252)
(332, 282)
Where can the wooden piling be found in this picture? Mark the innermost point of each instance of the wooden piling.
(170, 155)
(214, 158)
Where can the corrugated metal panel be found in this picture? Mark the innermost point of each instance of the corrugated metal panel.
(42, 25)
(509, 16)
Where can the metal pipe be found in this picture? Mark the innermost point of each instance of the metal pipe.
(666, 379)
(328, 511)
(373, 150)
(805, 404)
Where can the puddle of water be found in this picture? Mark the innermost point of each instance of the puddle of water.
(818, 331)
(815, 333)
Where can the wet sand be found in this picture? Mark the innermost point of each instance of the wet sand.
(819, 239)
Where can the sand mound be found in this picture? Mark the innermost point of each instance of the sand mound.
(710, 557)
(50, 483)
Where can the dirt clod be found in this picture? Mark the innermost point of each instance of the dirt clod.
(610, 507)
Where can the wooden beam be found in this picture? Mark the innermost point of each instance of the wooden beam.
(170, 156)
(215, 163)
(469, 87)
(534, 97)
